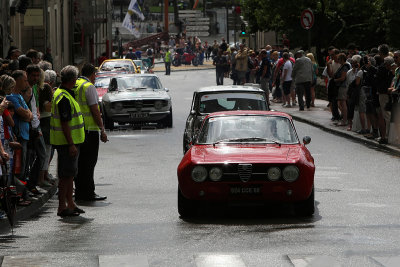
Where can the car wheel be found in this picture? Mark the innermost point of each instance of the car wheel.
(306, 207)
(186, 208)
(108, 122)
(167, 121)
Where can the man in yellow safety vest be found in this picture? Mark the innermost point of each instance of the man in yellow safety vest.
(88, 100)
(66, 135)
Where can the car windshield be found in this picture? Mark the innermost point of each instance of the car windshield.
(125, 65)
(247, 129)
(102, 82)
(138, 82)
(214, 102)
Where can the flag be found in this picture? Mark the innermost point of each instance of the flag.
(134, 8)
(128, 22)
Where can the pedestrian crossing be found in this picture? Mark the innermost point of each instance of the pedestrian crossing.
(200, 260)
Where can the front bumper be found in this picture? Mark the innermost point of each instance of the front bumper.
(137, 117)
(251, 191)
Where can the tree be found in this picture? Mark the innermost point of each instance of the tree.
(337, 22)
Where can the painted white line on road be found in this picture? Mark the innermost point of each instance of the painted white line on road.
(327, 177)
(314, 261)
(24, 261)
(388, 261)
(219, 260)
(327, 167)
(123, 261)
(329, 173)
(368, 205)
(356, 190)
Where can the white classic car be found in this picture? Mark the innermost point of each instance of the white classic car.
(136, 99)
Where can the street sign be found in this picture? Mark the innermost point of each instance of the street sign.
(307, 19)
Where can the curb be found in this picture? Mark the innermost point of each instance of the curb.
(348, 135)
(25, 212)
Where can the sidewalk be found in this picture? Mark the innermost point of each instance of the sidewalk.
(37, 203)
(320, 116)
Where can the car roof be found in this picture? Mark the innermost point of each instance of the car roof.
(248, 112)
(135, 75)
(224, 88)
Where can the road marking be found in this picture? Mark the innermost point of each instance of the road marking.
(314, 261)
(388, 261)
(219, 260)
(24, 261)
(368, 205)
(328, 173)
(327, 167)
(356, 190)
(123, 261)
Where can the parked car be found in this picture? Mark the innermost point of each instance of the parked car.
(144, 68)
(136, 98)
(119, 64)
(221, 98)
(247, 156)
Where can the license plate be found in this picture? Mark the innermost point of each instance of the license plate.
(245, 190)
(139, 115)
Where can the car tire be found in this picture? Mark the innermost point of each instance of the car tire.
(108, 122)
(186, 208)
(306, 207)
(168, 121)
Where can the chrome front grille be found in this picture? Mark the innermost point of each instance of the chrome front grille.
(245, 171)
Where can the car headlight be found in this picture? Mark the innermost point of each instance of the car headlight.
(290, 173)
(274, 173)
(158, 104)
(215, 174)
(118, 106)
(199, 174)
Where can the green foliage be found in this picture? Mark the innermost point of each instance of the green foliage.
(337, 22)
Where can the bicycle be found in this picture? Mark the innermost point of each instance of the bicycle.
(8, 197)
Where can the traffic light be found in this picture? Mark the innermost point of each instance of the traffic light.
(243, 28)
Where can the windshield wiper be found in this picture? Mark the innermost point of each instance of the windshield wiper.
(247, 139)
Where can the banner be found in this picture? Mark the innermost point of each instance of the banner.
(134, 8)
(128, 22)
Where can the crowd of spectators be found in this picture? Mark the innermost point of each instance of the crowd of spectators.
(362, 86)
(27, 82)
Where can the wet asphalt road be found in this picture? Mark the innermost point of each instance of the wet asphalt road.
(356, 221)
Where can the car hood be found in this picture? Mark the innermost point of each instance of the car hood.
(245, 153)
(136, 94)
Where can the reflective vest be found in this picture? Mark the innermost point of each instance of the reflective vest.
(76, 124)
(167, 56)
(80, 96)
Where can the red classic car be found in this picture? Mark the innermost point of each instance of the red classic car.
(252, 156)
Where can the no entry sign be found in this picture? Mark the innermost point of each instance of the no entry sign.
(307, 19)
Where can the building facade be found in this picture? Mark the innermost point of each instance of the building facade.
(75, 31)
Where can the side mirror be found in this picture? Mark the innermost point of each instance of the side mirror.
(166, 89)
(306, 140)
